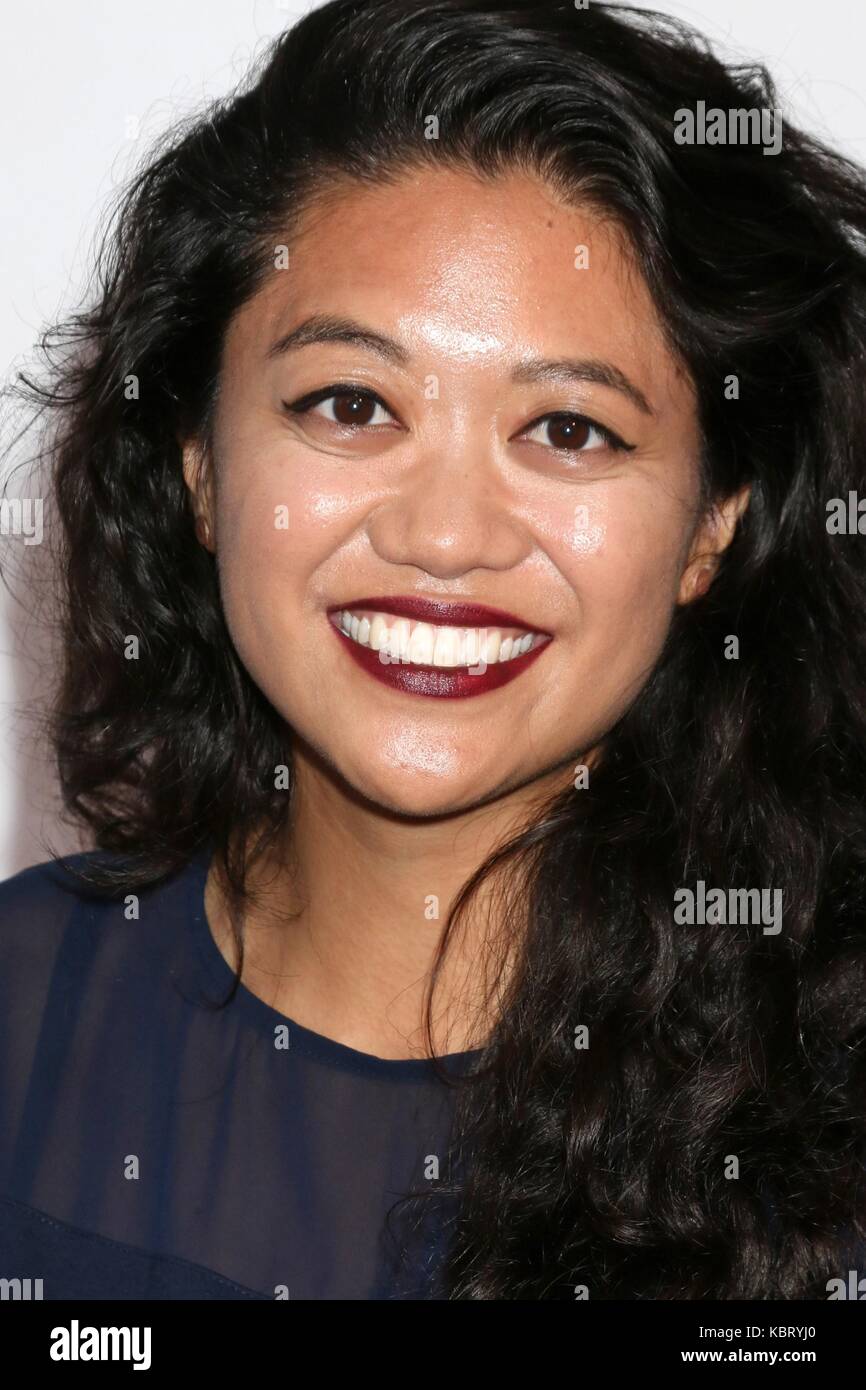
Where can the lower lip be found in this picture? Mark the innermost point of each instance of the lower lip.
(444, 682)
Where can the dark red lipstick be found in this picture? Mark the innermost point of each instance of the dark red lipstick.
(448, 682)
(431, 610)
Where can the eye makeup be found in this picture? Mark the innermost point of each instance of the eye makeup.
(347, 391)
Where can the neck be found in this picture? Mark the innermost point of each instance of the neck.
(349, 910)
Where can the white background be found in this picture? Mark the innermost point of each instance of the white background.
(75, 81)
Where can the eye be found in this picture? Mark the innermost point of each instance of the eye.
(354, 408)
(350, 407)
(576, 433)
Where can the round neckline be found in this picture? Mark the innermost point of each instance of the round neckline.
(301, 1039)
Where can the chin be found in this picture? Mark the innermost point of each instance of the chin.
(418, 795)
(422, 802)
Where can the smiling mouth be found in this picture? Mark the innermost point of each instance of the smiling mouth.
(433, 645)
(415, 652)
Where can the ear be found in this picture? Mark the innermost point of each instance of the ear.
(198, 476)
(712, 538)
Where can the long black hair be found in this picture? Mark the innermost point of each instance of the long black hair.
(609, 1165)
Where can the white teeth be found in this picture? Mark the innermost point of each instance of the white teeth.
(400, 639)
(378, 632)
(491, 645)
(446, 651)
(470, 647)
(423, 644)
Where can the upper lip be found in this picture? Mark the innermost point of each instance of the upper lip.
(442, 611)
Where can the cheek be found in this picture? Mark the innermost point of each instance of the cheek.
(619, 548)
(276, 527)
(277, 523)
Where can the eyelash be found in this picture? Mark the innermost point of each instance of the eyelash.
(306, 403)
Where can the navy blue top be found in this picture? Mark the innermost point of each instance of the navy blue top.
(152, 1146)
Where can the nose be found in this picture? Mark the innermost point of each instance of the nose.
(448, 516)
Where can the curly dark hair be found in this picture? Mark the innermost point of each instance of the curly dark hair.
(603, 1166)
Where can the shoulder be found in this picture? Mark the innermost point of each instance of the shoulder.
(39, 902)
(53, 911)
(43, 884)
(90, 978)
(56, 886)
(50, 894)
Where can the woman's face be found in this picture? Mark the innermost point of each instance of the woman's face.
(454, 484)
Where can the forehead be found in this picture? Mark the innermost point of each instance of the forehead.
(476, 271)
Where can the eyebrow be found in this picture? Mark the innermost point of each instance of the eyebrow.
(329, 328)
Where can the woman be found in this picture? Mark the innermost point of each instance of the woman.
(463, 687)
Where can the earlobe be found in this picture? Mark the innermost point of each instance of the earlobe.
(713, 537)
(717, 530)
(696, 579)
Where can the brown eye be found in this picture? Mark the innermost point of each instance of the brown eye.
(566, 432)
(343, 406)
(353, 409)
(574, 433)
